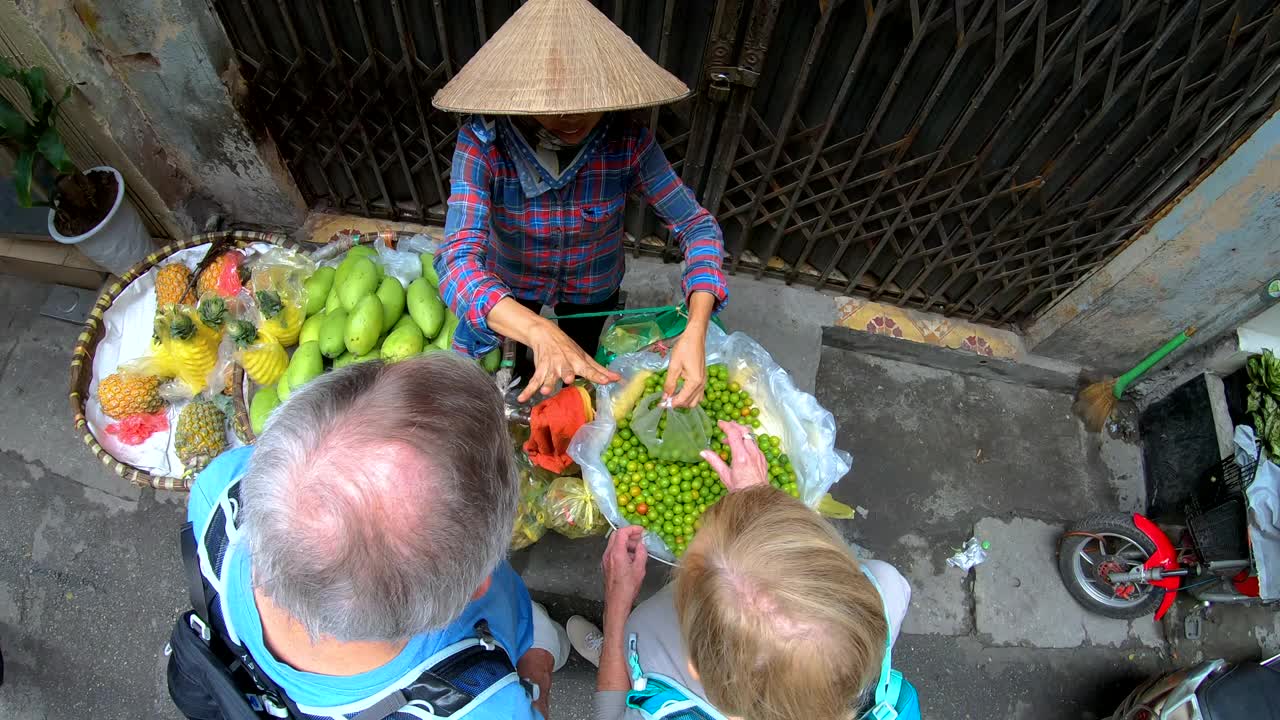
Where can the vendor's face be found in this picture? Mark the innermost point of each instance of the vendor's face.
(570, 129)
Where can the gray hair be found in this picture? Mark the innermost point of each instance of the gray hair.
(380, 497)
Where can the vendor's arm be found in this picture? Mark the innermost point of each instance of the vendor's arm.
(467, 286)
(702, 243)
(555, 355)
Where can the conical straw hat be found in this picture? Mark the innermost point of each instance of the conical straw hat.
(558, 57)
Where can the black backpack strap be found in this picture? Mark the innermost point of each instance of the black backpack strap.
(195, 583)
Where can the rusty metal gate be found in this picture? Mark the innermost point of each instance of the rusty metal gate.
(977, 158)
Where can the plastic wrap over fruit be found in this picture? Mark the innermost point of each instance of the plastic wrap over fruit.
(808, 431)
(571, 509)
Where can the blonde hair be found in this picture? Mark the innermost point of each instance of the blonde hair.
(778, 619)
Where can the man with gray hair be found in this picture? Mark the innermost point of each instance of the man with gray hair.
(352, 563)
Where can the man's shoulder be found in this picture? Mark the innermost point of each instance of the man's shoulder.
(213, 480)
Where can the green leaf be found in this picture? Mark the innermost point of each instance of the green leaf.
(1254, 401)
(13, 125)
(50, 145)
(7, 69)
(33, 81)
(22, 172)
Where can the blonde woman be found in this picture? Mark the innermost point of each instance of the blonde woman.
(770, 617)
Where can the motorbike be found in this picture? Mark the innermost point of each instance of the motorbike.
(1213, 690)
(1125, 566)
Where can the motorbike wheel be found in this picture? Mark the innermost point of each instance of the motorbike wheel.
(1107, 542)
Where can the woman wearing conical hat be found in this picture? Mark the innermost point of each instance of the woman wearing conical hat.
(540, 176)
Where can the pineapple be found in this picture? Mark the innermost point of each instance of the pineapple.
(194, 348)
(282, 317)
(200, 435)
(213, 313)
(125, 394)
(224, 276)
(171, 285)
(263, 359)
(162, 361)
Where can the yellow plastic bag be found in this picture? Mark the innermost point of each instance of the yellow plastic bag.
(571, 509)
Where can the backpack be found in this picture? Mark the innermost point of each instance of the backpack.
(659, 697)
(213, 677)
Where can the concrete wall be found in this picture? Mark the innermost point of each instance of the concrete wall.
(1205, 263)
(151, 74)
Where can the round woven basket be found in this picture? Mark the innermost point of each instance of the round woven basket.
(322, 253)
(87, 344)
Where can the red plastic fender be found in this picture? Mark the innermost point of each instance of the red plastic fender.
(1165, 558)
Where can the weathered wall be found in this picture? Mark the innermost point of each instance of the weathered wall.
(152, 74)
(1204, 263)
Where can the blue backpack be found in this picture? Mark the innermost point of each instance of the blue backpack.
(659, 697)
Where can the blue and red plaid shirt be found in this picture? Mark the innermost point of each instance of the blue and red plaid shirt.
(515, 229)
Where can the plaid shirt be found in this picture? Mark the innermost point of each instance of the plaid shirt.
(514, 229)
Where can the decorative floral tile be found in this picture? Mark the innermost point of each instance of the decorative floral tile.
(873, 317)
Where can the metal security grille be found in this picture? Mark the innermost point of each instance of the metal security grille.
(977, 158)
(344, 87)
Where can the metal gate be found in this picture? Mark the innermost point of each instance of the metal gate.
(977, 158)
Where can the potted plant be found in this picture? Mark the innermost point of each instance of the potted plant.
(86, 209)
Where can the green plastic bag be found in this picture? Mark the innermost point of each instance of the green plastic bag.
(640, 328)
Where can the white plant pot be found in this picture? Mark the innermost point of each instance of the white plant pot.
(117, 243)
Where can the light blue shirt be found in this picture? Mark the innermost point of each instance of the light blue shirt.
(506, 607)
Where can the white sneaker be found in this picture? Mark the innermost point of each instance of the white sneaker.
(550, 635)
(586, 638)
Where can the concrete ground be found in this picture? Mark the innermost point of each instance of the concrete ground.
(90, 574)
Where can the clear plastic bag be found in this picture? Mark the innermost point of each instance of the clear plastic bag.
(628, 336)
(807, 430)
(671, 433)
(571, 509)
(531, 517)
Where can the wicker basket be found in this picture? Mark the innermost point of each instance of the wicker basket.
(87, 344)
(320, 254)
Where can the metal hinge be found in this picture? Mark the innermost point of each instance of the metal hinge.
(723, 76)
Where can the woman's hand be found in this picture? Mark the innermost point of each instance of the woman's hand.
(688, 359)
(688, 362)
(624, 564)
(557, 357)
(749, 466)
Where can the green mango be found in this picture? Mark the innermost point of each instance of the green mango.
(492, 360)
(429, 269)
(364, 326)
(311, 328)
(343, 360)
(283, 391)
(426, 307)
(405, 319)
(264, 401)
(333, 333)
(305, 366)
(391, 294)
(364, 250)
(444, 341)
(317, 289)
(402, 343)
(333, 302)
(361, 281)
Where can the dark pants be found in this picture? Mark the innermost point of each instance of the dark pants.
(583, 331)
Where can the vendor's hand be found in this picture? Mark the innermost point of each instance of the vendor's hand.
(624, 564)
(557, 357)
(688, 362)
(749, 466)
